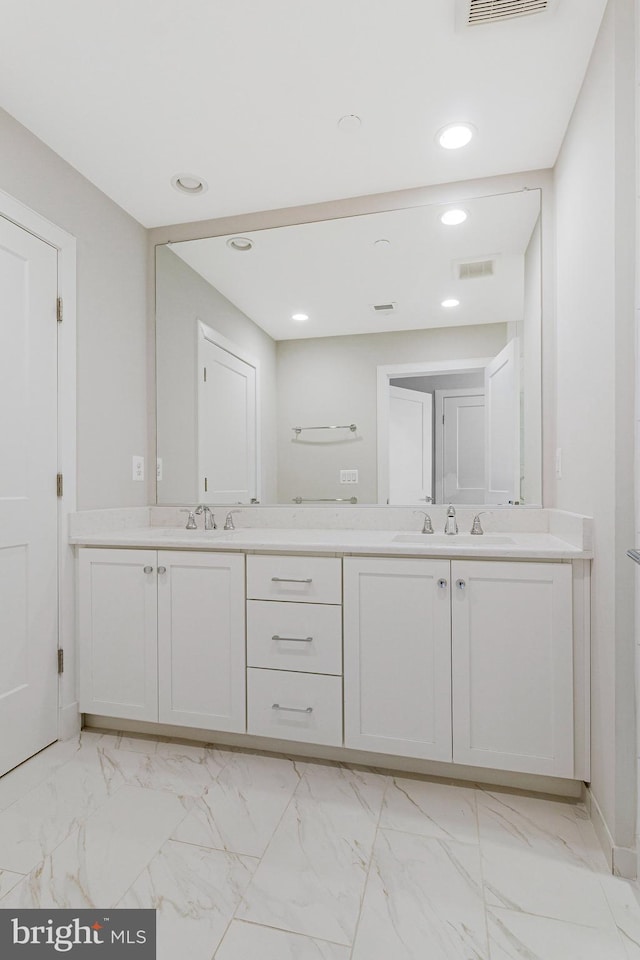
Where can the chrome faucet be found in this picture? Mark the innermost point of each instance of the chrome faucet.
(427, 526)
(451, 526)
(228, 523)
(476, 526)
(209, 519)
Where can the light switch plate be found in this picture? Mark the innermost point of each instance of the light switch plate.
(137, 464)
(348, 476)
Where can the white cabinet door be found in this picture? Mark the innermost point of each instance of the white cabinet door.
(117, 620)
(201, 643)
(512, 666)
(397, 656)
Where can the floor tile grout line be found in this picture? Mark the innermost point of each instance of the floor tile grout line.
(371, 856)
(290, 933)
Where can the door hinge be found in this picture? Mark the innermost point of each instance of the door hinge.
(59, 485)
(60, 660)
(204, 372)
(59, 315)
(206, 485)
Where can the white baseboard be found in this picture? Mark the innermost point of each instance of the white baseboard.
(623, 861)
(69, 721)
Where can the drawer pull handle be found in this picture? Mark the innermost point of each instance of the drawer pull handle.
(148, 569)
(293, 639)
(290, 580)
(276, 706)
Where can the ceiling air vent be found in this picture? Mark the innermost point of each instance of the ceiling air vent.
(473, 12)
(385, 307)
(473, 269)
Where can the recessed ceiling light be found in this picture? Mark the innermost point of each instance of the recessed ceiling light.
(455, 135)
(451, 302)
(188, 183)
(299, 316)
(241, 244)
(382, 244)
(451, 218)
(350, 121)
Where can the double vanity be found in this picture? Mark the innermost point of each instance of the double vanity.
(366, 644)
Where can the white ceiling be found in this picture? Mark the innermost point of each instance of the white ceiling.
(334, 271)
(247, 94)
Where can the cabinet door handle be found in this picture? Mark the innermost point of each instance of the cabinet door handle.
(461, 584)
(290, 580)
(442, 583)
(162, 569)
(292, 639)
(148, 569)
(276, 706)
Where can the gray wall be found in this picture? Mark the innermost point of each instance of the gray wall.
(333, 380)
(111, 312)
(595, 201)
(182, 298)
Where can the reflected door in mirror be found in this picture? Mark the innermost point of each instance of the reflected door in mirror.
(410, 446)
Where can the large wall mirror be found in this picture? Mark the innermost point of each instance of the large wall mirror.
(386, 358)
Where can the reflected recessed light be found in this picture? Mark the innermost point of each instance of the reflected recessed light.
(451, 218)
(350, 121)
(299, 316)
(455, 135)
(382, 244)
(188, 183)
(451, 302)
(241, 244)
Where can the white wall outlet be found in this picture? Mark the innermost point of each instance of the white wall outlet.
(348, 476)
(159, 468)
(138, 468)
(559, 463)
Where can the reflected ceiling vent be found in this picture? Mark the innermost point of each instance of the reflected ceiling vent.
(474, 269)
(385, 307)
(470, 13)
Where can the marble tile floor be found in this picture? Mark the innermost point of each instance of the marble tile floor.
(246, 855)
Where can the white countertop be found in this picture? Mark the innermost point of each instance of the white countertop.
(503, 545)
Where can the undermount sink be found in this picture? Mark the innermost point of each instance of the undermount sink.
(450, 540)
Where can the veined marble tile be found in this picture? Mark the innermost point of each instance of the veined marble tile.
(245, 940)
(312, 875)
(423, 900)
(8, 881)
(546, 826)
(33, 826)
(529, 881)
(186, 772)
(196, 892)
(96, 864)
(519, 936)
(430, 809)
(241, 809)
(626, 912)
(114, 740)
(19, 781)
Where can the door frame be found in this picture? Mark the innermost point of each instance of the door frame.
(27, 219)
(396, 371)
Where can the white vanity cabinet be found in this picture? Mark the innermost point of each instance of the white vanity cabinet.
(294, 648)
(470, 661)
(397, 656)
(512, 666)
(162, 636)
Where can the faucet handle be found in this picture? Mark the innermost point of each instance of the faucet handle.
(427, 526)
(228, 523)
(191, 519)
(476, 526)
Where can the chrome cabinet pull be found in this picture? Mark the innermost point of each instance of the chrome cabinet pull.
(442, 583)
(461, 584)
(276, 706)
(162, 569)
(290, 580)
(148, 569)
(293, 639)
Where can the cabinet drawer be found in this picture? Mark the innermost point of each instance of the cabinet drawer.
(294, 706)
(294, 636)
(310, 579)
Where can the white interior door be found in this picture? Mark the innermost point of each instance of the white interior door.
(410, 446)
(226, 426)
(28, 506)
(502, 425)
(460, 445)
